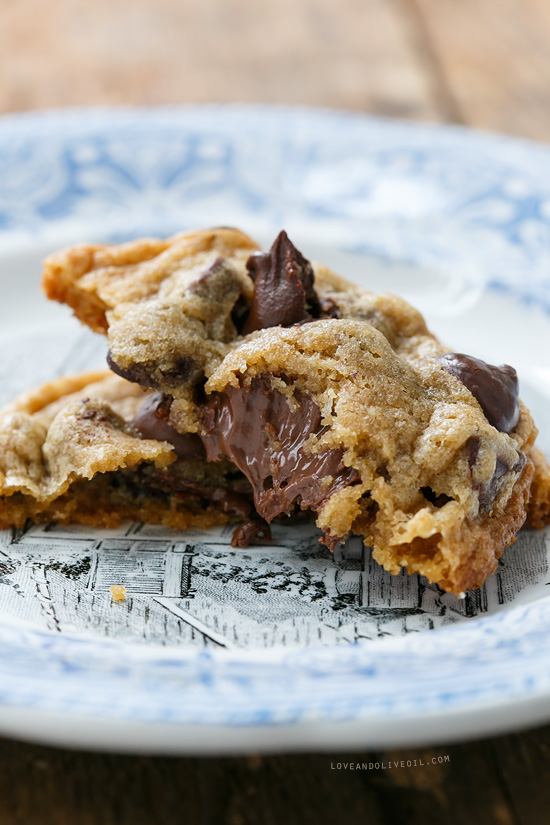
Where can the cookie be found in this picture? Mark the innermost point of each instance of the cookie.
(319, 395)
(71, 451)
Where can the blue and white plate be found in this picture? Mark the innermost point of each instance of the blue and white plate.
(225, 650)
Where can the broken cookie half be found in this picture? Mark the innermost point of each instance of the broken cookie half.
(254, 385)
(70, 451)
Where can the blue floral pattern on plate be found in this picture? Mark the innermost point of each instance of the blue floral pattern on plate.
(422, 194)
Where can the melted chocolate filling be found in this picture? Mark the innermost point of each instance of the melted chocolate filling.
(256, 429)
(152, 421)
(259, 432)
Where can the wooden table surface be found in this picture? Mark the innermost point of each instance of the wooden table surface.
(482, 63)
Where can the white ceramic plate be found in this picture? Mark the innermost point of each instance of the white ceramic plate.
(281, 647)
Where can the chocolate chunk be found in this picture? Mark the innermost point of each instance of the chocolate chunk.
(283, 287)
(489, 491)
(137, 373)
(472, 445)
(202, 284)
(251, 531)
(495, 388)
(184, 371)
(258, 431)
(152, 421)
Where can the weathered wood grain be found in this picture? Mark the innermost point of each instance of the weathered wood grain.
(496, 781)
(493, 58)
(352, 54)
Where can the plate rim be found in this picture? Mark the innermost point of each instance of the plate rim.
(540, 692)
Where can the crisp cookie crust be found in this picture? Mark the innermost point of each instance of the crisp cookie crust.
(94, 278)
(319, 394)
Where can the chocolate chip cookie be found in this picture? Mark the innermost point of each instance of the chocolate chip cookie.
(73, 451)
(310, 394)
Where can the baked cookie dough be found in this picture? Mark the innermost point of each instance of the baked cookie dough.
(294, 391)
(70, 451)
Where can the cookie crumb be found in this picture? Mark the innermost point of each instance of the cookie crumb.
(118, 592)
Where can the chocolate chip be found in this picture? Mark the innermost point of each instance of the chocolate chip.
(495, 388)
(152, 421)
(185, 370)
(489, 491)
(137, 373)
(472, 445)
(201, 284)
(283, 287)
(255, 530)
